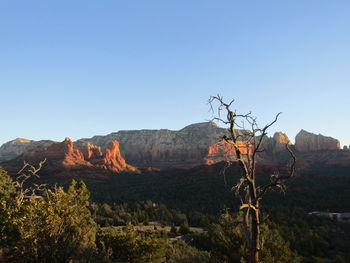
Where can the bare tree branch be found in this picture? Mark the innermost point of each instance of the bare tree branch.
(25, 173)
(249, 193)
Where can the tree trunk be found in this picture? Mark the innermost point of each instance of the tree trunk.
(255, 247)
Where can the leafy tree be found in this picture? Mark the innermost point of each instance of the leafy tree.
(173, 229)
(106, 210)
(226, 243)
(8, 231)
(129, 245)
(184, 229)
(180, 252)
(56, 227)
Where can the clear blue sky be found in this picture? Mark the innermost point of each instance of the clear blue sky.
(80, 68)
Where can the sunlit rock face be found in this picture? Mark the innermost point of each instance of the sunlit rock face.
(196, 144)
(163, 148)
(272, 146)
(224, 151)
(280, 141)
(64, 155)
(306, 141)
(89, 150)
(193, 145)
(113, 160)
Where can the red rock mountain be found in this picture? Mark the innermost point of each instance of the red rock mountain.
(217, 152)
(111, 159)
(193, 145)
(64, 155)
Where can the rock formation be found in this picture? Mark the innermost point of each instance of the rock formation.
(193, 145)
(14, 148)
(187, 147)
(113, 160)
(89, 150)
(64, 155)
(223, 151)
(306, 141)
(280, 141)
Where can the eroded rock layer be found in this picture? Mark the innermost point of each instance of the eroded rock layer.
(193, 145)
(64, 155)
(306, 141)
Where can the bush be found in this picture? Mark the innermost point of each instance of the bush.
(182, 253)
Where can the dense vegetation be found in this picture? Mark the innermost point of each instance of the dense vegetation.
(207, 190)
(150, 218)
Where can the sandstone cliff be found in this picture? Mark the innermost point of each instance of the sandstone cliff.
(187, 147)
(14, 148)
(111, 159)
(223, 151)
(193, 145)
(64, 155)
(280, 141)
(306, 141)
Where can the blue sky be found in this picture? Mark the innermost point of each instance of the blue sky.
(80, 68)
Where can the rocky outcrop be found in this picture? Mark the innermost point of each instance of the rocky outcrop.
(14, 148)
(223, 151)
(187, 147)
(274, 145)
(306, 141)
(280, 141)
(64, 155)
(89, 150)
(193, 145)
(113, 160)
(198, 144)
(63, 152)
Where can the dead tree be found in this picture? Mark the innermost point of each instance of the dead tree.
(247, 189)
(27, 172)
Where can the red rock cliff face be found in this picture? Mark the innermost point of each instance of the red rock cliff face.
(113, 160)
(65, 155)
(196, 144)
(185, 148)
(62, 153)
(91, 151)
(223, 151)
(193, 145)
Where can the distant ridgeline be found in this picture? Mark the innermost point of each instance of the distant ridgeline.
(193, 145)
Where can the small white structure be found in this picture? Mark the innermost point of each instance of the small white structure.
(331, 215)
(345, 216)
